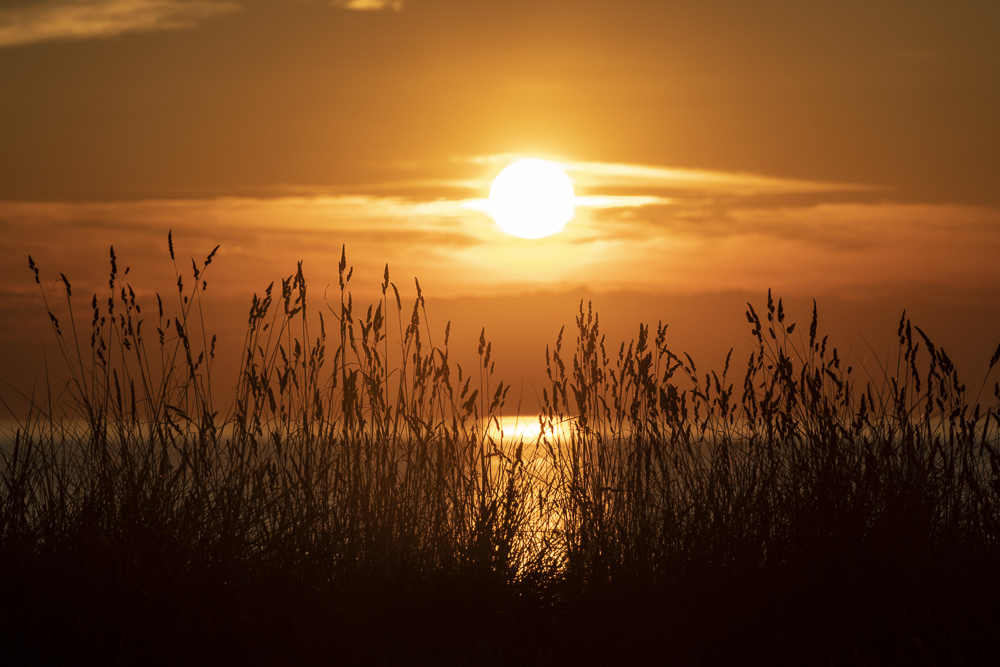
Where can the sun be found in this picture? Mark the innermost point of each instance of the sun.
(531, 198)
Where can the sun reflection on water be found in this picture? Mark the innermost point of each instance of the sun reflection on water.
(532, 445)
(528, 428)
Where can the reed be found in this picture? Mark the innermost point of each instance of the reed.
(356, 495)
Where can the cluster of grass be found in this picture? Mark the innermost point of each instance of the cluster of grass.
(363, 505)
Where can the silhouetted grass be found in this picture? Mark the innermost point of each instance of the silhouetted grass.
(356, 502)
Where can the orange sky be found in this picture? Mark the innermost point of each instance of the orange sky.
(847, 153)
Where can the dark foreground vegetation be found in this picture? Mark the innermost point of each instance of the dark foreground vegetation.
(356, 503)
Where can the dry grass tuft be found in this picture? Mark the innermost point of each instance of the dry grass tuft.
(356, 496)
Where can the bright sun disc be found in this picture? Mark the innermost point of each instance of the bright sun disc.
(532, 198)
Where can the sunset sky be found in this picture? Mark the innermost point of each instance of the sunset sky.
(848, 152)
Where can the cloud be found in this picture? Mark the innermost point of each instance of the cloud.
(261, 239)
(370, 5)
(652, 178)
(848, 249)
(637, 238)
(671, 247)
(598, 202)
(88, 19)
(606, 174)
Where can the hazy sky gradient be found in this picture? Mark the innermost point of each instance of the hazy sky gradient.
(848, 152)
(902, 95)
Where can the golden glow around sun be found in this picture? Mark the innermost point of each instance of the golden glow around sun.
(531, 198)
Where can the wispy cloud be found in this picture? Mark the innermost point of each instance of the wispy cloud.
(642, 228)
(844, 249)
(653, 177)
(261, 239)
(605, 174)
(370, 5)
(87, 19)
(848, 249)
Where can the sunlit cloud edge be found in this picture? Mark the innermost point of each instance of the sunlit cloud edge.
(657, 177)
(847, 247)
(370, 5)
(58, 21)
